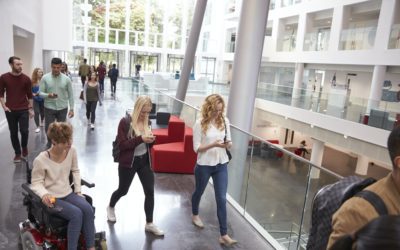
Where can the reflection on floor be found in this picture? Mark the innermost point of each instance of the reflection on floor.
(172, 207)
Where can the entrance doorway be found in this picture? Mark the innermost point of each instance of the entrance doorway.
(149, 62)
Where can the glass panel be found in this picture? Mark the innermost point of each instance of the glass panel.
(358, 38)
(394, 39)
(98, 13)
(140, 39)
(132, 38)
(101, 35)
(79, 33)
(117, 14)
(137, 15)
(91, 34)
(112, 36)
(121, 37)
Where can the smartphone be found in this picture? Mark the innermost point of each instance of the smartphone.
(55, 95)
(225, 142)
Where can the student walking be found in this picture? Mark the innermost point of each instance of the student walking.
(135, 138)
(211, 138)
(91, 95)
(18, 106)
(38, 101)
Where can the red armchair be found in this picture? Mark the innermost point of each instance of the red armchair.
(175, 157)
(174, 133)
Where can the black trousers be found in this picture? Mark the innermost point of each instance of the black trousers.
(91, 110)
(50, 116)
(18, 120)
(38, 107)
(140, 166)
(113, 86)
(83, 80)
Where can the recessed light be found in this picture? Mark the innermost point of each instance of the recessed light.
(345, 136)
(312, 125)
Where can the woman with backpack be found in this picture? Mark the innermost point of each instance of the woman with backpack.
(134, 140)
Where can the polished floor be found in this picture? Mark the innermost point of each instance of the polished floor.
(172, 200)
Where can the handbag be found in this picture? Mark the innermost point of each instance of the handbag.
(228, 153)
(81, 95)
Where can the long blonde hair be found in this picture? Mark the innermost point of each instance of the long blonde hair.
(207, 110)
(141, 102)
(35, 79)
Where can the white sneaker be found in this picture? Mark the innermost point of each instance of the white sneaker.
(111, 214)
(37, 130)
(151, 228)
(92, 126)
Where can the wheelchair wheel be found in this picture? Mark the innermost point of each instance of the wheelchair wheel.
(28, 242)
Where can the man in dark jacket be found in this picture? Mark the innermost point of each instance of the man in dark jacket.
(101, 72)
(113, 74)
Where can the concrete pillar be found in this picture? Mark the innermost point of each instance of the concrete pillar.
(316, 157)
(375, 93)
(190, 50)
(246, 67)
(362, 165)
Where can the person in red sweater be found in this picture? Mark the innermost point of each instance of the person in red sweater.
(101, 72)
(18, 107)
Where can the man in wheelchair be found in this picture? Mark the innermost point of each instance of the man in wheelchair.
(57, 210)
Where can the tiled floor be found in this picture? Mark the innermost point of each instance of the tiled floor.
(172, 201)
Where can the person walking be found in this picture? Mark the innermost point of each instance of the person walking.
(38, 101)
(19, 105)
(134, 139)
(91, 95)
(101, 72)
(50, 179)
(113, 74)
(83, 71)
(56, 89)
(211, 138)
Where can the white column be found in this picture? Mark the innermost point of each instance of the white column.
(362, 165)
(298, 80)
(190, 50)
(388, 7)
(246, 67)
(301, 31)
(337, 25)
(146, 23)
(316, 157)
(375, 93)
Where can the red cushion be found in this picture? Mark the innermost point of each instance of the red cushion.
(174, 133)
(273, 141)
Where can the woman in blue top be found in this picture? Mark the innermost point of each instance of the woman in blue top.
(38, 102)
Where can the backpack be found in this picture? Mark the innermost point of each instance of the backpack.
(329, 199)
(115, 143)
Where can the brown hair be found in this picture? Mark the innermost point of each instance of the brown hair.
(207, 110)
(60, 132)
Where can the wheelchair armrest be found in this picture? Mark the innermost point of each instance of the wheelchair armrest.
(87, 184)
(38, 200)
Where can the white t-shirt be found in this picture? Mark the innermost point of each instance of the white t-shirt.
(215, 155)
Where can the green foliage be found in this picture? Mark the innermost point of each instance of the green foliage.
(137, 15)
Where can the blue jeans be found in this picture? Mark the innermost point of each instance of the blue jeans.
(80, 217)
(219, 174)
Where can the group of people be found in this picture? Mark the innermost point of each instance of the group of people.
(85, 72)
(210, 142)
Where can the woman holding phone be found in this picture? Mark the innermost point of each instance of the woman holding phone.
(210, 141)
(135, 139)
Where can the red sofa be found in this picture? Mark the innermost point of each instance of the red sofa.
(175, 157)
(174, 133)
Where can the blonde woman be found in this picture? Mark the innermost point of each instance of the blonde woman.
(38, 101)
(135, 138)
(91, 95)
(211, 138)
(50, 179)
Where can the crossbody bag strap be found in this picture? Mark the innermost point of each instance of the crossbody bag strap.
(375, 201)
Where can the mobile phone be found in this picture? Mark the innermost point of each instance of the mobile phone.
(55, 94)
(225, 142)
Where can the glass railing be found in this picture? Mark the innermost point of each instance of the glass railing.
(316, 41)
(394, 39)
(287, 43)
(386, 114)
(279, 210)
(357, 39)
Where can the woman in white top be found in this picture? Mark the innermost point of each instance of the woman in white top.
(210, 141)
(50, 179)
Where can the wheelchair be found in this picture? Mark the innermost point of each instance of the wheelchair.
(44, 229)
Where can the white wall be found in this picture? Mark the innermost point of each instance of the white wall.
(34, 17)
(26, 15)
